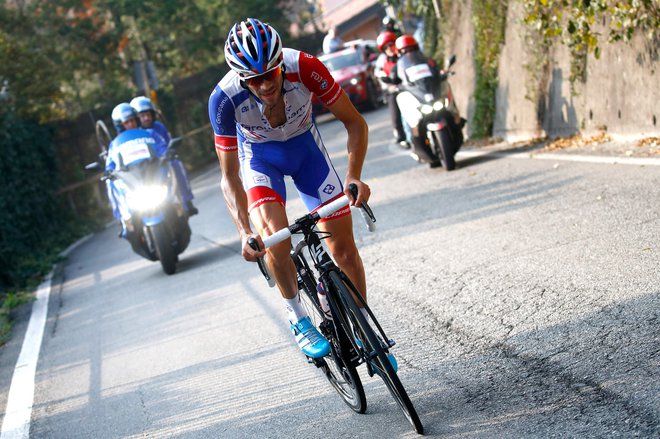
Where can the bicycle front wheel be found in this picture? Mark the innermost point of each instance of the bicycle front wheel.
(373, 350)
(341, 374)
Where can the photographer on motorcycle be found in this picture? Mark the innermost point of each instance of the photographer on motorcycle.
(409, 54)
(384, 64)
(147, 114)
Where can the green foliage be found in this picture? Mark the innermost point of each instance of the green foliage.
(574, 23)
(489, 18)
(80, 55)
(10, 301)
(32, 226)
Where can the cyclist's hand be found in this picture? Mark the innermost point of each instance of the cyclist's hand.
(249, 253)
(364, 191)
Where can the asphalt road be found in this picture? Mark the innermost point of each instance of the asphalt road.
(523, 295)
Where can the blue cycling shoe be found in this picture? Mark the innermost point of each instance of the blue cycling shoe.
(309, 339)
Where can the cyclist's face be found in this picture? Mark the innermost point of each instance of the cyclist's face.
(146, 119)
(267, 87)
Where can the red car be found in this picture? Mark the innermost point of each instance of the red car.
(353, 69)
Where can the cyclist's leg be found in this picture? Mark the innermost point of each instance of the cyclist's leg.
(268, 218)
(318, 183)
(266, 193)
(344, 251)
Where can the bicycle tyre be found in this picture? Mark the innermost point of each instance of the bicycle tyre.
(373, 352)
(340, 373)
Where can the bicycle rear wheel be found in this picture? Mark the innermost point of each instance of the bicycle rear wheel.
(341, 374)
(373, 349)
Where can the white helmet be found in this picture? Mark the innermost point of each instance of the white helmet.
(142, 103)
(253, 48)
(121, 113)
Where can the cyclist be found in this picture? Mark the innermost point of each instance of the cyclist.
(261, 113)
(147, 114)
(384, 64)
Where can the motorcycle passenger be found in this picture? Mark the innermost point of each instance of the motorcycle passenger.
(125, 118)
(261, 113)
(410, 55)
(384, 64)
(147, 114)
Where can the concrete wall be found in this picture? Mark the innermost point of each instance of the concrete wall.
(534, 97)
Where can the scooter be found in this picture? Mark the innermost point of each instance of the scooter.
(428, 107)
(155, 222)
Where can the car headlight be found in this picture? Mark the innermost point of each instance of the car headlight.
(354, 81)
(147, 197)
(438, 105)
(426, 109)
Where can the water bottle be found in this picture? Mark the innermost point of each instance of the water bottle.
(323, 300)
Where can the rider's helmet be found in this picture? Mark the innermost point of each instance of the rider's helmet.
(385, 38)
(253, 48)
(406, 43)
(121, 113)
(142, 103)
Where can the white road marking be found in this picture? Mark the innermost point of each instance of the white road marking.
(16, 423)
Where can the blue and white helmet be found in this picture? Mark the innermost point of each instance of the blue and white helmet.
(142, 103)
(121, 113)
(252, 48)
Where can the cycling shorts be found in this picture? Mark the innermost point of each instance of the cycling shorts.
(304, 158)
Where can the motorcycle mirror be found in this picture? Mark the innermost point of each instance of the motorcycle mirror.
(96, 166)
(450, 61)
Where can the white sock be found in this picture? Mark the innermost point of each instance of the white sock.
(294, 309)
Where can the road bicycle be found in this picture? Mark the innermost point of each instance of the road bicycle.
(354, 339)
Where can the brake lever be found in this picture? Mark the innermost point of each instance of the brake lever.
(365, 210)
(261, 263)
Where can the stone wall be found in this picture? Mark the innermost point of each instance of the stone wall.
(534, 96)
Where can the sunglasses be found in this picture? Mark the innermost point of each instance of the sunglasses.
(271, 75)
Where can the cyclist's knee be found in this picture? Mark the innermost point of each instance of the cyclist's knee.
(346, 255)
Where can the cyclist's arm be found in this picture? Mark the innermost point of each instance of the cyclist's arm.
(357, 130)
(236, 200)
(222, 117)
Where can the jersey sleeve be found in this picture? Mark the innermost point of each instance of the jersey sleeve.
(223, 121)
(316, 77)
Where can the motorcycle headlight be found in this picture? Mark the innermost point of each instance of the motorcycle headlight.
(354, 81)
(147, 197)
(438, 105)
(426, 109)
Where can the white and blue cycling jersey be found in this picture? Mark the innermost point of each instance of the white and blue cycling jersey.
(295, 148)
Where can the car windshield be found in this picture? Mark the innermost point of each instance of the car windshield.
(341, 61)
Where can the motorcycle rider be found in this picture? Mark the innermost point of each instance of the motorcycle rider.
(384, 65)
(125, 118)
(262, 119)
(147, 114)
(410, 55)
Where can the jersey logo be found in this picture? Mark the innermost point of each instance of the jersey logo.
(324, 85)
(316, 77)
(329, 189)
(260, 179)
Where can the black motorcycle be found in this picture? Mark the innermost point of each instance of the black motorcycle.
(428, 107)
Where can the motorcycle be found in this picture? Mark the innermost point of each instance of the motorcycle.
(428, 107)
(154, 219)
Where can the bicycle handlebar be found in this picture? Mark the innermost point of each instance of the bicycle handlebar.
(322, 212)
